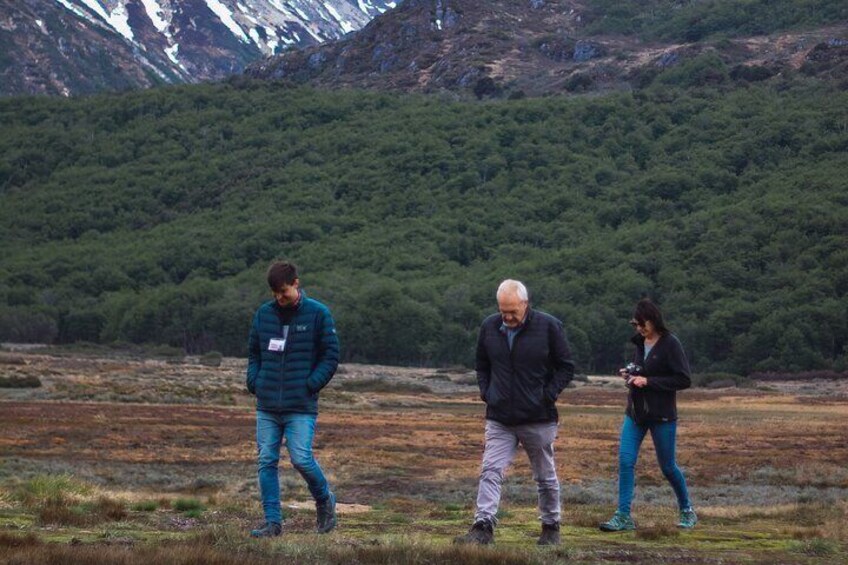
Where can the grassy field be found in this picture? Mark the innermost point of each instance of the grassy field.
(131, 460)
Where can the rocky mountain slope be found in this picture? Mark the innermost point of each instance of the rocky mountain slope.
(72, 47)
(535, 47)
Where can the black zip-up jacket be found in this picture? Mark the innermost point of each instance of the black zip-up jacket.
(667, 370)
(521, 386)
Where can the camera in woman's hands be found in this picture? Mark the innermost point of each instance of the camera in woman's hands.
(632, 369)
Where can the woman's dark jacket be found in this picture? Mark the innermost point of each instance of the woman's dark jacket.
(667, 371)
(520, 386)
(289, 380)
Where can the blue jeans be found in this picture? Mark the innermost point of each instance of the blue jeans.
(298, 430)
(664, 435)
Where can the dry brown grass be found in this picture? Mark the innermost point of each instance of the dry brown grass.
(64, 511)
(217, 548)
(54, 554)
(415, 460)
(384, 451)
(836, 526)
(10, 540)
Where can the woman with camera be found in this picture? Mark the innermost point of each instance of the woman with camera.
(659, 369)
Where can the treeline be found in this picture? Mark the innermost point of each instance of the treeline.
(150, 217)
(698, 20)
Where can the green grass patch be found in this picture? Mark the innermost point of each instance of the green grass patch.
(42, 488)
(817, 547)
(145, 506)
(188, 505)
(657, 532)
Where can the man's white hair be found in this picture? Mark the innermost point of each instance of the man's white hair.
(510, 286)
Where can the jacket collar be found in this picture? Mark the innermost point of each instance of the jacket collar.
(528, 317)
(639, 339)
(301, 296)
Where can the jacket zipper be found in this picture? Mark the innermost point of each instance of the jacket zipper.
(283, 364)
(512, 368)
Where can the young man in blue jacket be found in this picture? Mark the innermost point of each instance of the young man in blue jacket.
(293, 352)
(523, 363)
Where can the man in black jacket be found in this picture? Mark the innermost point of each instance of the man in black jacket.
(523, 363)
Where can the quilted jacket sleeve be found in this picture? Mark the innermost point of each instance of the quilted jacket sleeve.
(328, 353)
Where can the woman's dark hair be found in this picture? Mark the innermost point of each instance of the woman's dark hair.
(647, 311)
(281, 273)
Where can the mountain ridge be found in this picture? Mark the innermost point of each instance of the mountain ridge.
(70, 47)
(537, 47)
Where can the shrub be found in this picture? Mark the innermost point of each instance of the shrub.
(817, 547)
(108, 508)
(171, 354)
(65, 511)
(19, 325)
(60, 510)
(380, 384)
(12, 360)
(42, 488)
(12, 540)
(719, 380)
(187, 504)
(579, 82)
(466, 380)
(14, 381)
(707, 69)
(211, 359)
(800, 376)
(438, 377)
(751, 73)
(145, 506)
(487, 86)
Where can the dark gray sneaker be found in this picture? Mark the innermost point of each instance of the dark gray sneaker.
(550, 534)
(481, 533)
(326, 514)
(269, 530)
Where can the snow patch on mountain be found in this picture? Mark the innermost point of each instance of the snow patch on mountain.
(156, 15)
(226, 16)
(117, 19)
(71, 8)
(300, 12)
(171, 52)
(347, 27)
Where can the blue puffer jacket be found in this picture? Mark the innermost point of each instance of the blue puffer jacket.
(289, 380)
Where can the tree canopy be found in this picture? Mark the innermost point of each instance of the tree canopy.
(150, 217)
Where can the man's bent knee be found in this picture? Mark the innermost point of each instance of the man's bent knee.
(492, 475)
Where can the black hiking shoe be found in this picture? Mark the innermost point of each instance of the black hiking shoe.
(326, 514)
(481, 533)
(550, 534)
(269, 530)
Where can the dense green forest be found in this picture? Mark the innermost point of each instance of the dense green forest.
(682, 20)
(150, 217)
